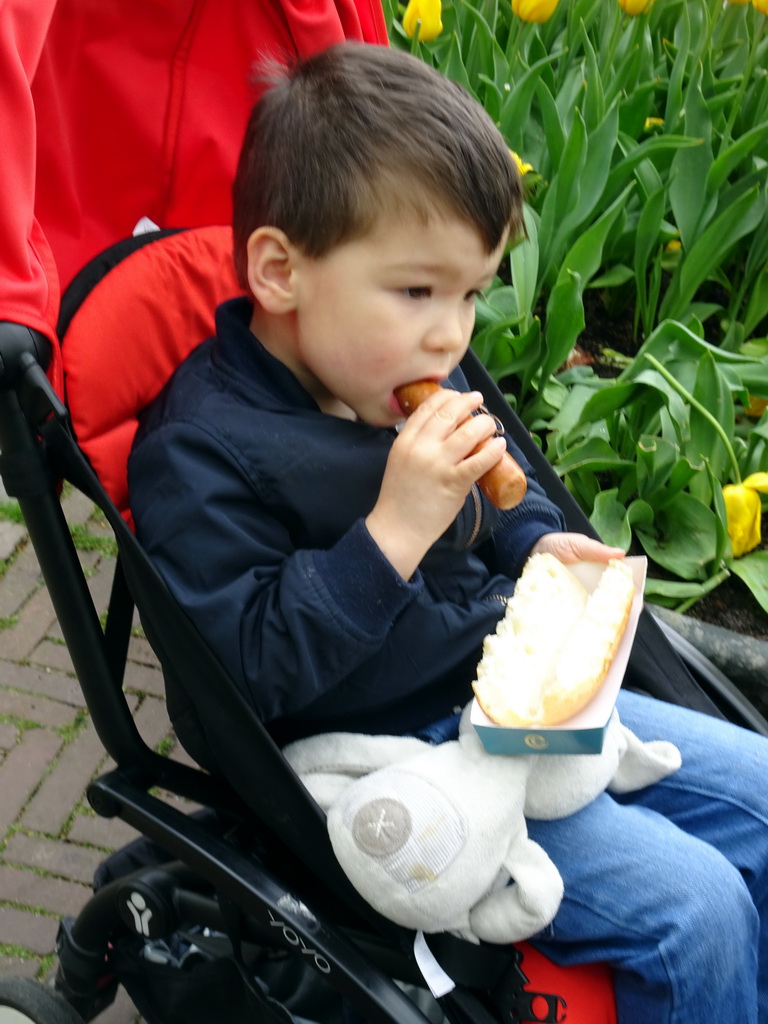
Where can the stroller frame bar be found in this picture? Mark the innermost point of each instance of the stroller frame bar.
(243, 884)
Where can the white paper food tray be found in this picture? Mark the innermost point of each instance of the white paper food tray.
(584, 733)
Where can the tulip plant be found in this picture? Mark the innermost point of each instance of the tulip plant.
(641, 130)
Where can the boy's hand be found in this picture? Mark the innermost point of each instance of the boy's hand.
(576, 547)
(429, 473)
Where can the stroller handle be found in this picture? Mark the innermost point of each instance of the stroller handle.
(20, 346)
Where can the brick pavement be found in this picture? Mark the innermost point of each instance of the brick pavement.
(50, 840)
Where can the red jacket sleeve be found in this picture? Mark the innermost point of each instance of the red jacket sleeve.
(28, 280)
(119, 111)
(141, 107)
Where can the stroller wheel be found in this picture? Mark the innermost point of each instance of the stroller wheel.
(24, 1001)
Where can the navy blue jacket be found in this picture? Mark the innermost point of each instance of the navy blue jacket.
(251, 502)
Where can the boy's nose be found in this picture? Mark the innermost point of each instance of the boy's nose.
(449, 334)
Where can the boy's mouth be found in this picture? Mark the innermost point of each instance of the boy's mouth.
(395, 406)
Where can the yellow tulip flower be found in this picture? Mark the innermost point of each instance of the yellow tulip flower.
(742, 503)
(521, 165)
(635, 7)
(755, 407)
(534, 10)
(761, 5)
(424, 16)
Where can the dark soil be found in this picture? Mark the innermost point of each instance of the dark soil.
(604, 334)
(732, 606)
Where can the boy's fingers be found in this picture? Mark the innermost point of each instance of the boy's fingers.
(476, 431)
(576, 547)
(445, 410)
(485, 456)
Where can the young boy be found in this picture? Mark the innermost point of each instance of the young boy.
(343, 563)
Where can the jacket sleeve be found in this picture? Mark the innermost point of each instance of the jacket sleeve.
(300, 619)
(28, 280)
(518, 529)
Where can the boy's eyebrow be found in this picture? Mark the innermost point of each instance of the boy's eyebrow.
(417, 266)
(428, 266)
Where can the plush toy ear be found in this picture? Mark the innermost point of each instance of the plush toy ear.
(354, 754)
(642, 764)
(526, 905)
(329, 763)
(562, 784)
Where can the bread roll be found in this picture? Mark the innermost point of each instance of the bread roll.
(553, 648)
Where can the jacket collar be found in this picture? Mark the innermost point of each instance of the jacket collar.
(239, 354)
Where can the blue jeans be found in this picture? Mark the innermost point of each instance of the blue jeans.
(670, 884)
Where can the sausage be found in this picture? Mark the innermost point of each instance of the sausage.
(505, 484)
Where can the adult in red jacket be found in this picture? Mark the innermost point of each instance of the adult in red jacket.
(114, 111)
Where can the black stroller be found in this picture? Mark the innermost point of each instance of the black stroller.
(239, 911)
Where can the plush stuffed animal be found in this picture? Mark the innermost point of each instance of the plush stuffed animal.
(434, 837)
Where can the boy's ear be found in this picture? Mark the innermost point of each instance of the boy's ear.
(271, 265)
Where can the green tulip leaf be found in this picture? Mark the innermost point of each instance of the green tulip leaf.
(647, 245)
(515, 111)
(594, 100)
(612, 399)
(680, 477)
(683, 537)
(752, 569)
(563, 194)
(594, 454)
(524, 264)
(661, 471)
(671, 592)
(614, 277)
(453, 66)
(757, 306)
(614, 522)
(484, 342)
(497, 304)
(713, 393)
(733, 223)
(654, 146)
(730, 158)
(721, 514)
(635, 107)
(571, 411)
(484, 55)
(554, 132)
(691, 206)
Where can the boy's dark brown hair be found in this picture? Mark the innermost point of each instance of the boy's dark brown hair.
(359, 131)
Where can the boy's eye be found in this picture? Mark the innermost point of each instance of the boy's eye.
(417, 293)
(474, 294)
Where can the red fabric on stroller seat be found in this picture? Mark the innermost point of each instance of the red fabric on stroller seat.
(165, 291)
(585, 991)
